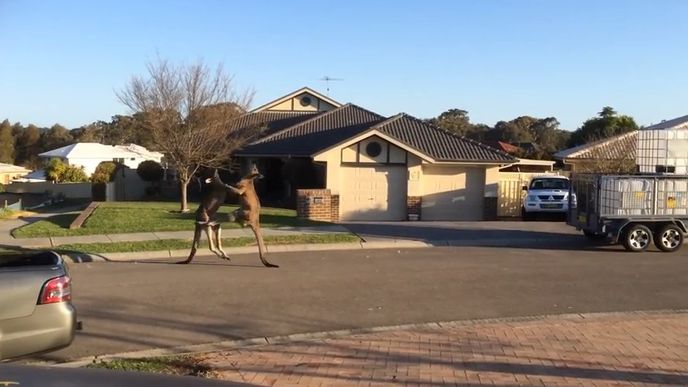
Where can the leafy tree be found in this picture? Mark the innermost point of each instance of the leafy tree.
(457, 121)
(55, 170)
(6, 143)
(187, 111)
(61, 172)
(606, 124)
(56, 137)
(150, 170)
(104, 172)
(28, 146)
(88, 133)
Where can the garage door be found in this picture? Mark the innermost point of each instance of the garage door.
(453, 193)
(373, 193)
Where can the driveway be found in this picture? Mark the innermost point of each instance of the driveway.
(512, 233)
(136, 306)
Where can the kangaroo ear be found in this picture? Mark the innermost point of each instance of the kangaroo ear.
(254, 176)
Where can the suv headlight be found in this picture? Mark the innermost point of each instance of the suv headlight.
(532, 198)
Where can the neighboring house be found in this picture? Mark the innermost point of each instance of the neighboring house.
(360, 165)
(9, 172)
(89, 154)
(529, 165)
(615, 153)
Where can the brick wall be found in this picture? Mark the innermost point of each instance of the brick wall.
(315, 204)
(413, 205)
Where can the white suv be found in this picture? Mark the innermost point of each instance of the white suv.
(546, 194)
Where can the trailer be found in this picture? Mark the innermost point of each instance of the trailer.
(634, 210)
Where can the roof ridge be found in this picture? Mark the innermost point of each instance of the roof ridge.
(317, 117)
(595, 144)
(460, 137)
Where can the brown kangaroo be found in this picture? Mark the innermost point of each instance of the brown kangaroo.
(248, 213)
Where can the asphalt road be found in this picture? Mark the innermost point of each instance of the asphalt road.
(133, 306)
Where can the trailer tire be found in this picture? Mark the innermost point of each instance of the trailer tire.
(636, 237)
(669, 238)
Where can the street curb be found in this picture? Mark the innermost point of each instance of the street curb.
(305, 337)
(163, 254)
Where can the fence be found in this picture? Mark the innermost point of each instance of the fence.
(13, 207)
(68, 190)
(511, 194)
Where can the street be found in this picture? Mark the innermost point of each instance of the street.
(134, 306)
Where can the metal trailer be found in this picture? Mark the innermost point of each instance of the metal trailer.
(634, 210)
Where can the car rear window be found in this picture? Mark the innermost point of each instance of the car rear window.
(16, 258)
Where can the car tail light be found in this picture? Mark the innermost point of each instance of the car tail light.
(56, 290)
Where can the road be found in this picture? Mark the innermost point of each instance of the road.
(133, 306)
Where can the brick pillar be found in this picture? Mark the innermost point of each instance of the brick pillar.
(413, 207)
(334, 208)
(314, 204)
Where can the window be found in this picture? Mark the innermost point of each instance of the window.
(305, 101)
(549, 184)
(373, 149)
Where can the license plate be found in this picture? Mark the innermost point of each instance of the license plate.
(552, 206)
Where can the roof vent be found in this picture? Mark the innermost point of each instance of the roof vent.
(305, 100)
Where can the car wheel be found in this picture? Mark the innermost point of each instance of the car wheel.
(637, 238)
(669, 238)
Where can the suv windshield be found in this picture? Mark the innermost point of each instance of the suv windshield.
(549, 184)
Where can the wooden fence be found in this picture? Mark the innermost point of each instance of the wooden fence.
(511, 194)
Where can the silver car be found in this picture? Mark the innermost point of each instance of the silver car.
(36, 312)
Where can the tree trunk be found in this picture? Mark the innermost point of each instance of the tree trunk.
(184, 183)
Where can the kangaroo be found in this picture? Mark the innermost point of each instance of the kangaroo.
(248, 213)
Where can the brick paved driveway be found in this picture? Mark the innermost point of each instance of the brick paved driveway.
(600, 350)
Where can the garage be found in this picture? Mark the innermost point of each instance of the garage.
(453, 193)
(373, 193)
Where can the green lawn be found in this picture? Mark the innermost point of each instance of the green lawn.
(128, 217)
(175, 365)
(181, 244)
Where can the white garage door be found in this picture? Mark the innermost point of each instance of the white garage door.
(452, 193)
(373, 193)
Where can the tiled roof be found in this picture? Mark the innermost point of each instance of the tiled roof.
(503, 146)
(614, 148)
(678, 123)
(271, 121)
(316, 133)
(438, 143)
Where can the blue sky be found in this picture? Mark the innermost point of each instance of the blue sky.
(63, 61)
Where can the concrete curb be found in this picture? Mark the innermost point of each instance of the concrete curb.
(164, 254)
(304, 337)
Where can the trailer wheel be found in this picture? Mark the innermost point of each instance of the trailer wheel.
(636, 238)
(669, 238)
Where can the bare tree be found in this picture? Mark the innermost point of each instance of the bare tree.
(189, 110)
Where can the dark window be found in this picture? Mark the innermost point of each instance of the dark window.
(549, 184)
(305, 101)
(373, 149)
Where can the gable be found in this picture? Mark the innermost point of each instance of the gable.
(373, 150)
(302, 100)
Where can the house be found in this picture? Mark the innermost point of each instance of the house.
(9, 172)
(614, 154)
(89, 154)
(343, 162)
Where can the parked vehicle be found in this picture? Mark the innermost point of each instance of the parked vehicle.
(36, 313)
(634, 210)
(546, 194)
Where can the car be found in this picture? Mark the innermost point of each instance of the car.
(546, 194)
(36, 311)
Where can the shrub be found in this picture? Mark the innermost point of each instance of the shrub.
(150, 171)
(104, 172)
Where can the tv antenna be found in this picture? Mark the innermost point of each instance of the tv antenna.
(327, 80)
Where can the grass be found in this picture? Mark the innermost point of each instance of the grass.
(129, 217)
(175, 365)
(181, 244)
